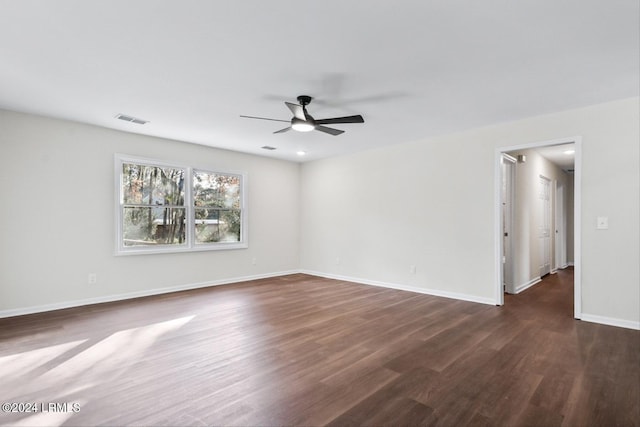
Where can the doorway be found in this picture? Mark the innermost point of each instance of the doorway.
(551, 250)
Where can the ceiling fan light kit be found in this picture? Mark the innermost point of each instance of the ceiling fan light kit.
(301, 125)
(302, 121)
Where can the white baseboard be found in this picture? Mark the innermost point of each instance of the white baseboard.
(435, 292)
(629, 324)
(137, 294)
(427, 291)
(621, 323)
(527, 285)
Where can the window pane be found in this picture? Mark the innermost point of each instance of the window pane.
(154, 217)
(152, 185)
(153, 226)
(216, 190)
(217, 225)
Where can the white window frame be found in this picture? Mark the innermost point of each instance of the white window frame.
(190, 240)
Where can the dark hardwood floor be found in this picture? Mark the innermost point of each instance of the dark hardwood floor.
(302, 350)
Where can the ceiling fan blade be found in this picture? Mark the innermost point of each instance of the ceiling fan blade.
(347, 119)
(297, 110)
(330, 131)
(264, 118)
(287, 129)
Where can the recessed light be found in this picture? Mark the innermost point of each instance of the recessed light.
(569, 152)
(301, 153)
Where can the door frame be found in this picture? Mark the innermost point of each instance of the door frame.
(577, 216)
(508, 163)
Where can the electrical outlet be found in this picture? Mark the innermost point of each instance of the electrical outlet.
(92, 279)
(412, 269)
(254, 261)
(337, 260)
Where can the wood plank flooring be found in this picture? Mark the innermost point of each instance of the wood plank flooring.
(302, 350)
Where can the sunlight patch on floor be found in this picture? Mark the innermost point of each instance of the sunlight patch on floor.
(15, 365)
(111, 356)
(78, 375)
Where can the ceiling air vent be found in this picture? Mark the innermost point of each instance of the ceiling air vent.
(131, 119)
(268, 147)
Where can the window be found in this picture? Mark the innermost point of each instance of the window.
(169, 208)
(216, 200)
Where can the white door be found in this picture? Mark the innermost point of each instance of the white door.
(508, 165)
(544, 229)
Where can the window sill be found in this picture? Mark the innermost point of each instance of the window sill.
(181, 249)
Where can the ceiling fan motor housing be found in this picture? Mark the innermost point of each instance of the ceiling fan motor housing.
(304, 100)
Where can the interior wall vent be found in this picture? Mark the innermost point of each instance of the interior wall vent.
(268, 147)
(131, 119)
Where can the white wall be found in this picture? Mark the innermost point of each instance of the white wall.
(57, 218)
(430, 203)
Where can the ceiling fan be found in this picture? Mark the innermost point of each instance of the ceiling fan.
(303, 122)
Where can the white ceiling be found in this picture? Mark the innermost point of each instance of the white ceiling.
(413, 69)
(562, 155)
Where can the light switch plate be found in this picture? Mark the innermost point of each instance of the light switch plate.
(602, 223)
